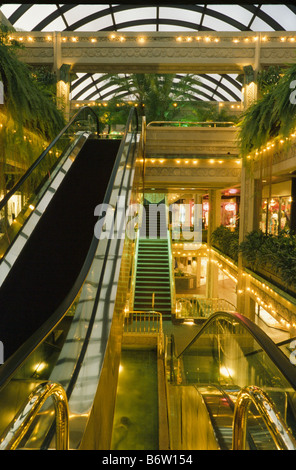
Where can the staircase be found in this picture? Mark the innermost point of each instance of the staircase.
(154, 222)
(152, 285)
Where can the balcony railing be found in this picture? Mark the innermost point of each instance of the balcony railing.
(145, 323)
(195, 307)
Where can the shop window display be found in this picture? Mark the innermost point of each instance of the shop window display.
(275, 214)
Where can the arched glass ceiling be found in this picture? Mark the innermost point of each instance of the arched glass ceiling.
(124, 17)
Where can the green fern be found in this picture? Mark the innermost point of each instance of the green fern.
(271, 116)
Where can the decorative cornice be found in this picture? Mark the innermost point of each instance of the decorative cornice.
(194, 172)
(222, 52)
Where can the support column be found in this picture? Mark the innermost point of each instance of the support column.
(214, 222)
(293, 206)
(250, 206)
(250, 87)
(62, 72)
(63, 90)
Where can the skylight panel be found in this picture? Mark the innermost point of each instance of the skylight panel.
(86, 94)
(188, 16)
(235, 12)
(135, 14)
(139, 28)
(9, 8)
(260, 25)
(98, 24)
(33, 16)
(174, 28)
(282, 14)
(83, 11)
(217, 25)
(231, 87)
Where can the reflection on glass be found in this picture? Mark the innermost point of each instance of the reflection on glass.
(229, 358)
(275, 214)
(23, 201)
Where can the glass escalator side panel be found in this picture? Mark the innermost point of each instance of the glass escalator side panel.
(228, 355)
(17, 204)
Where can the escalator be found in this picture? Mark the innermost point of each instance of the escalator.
(54, 254)
(59, 276)
(231, 388)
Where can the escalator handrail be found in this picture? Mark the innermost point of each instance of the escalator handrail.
(27, 415)
(277, 427)
(19, 183)
(268, 346)
(15, 361)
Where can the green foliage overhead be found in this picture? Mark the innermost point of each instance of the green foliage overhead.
(274, 114)
(115, 113)
(155, 93)
(268, 78)
(258, 124)
(203, 111)
(25, 102)
(159, 97)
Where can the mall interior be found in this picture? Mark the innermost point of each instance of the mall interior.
(147, 230)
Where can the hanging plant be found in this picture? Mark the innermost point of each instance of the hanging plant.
(274, 114)
(258, 125)
(29, 118)
(25, 102)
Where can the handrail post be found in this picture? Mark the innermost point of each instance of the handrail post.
(274, 422)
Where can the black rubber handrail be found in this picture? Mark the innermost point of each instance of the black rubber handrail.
(16, 360)
(44, 153)
(268, 346)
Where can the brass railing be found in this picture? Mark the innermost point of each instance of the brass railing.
(267, 410)
(199, 307)
(191, 123)
(28, 413)
(149, 323)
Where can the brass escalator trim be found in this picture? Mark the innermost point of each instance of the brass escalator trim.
(28, 413)
(275, 424)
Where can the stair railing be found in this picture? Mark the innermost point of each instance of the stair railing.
(172, 274)
(134, 271)
(191, 124)
(145, 322)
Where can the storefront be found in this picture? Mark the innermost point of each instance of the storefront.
(276, 209)
(229, 213)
